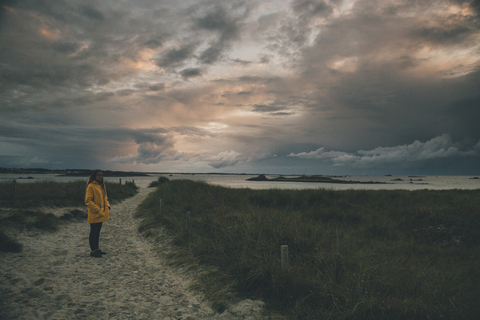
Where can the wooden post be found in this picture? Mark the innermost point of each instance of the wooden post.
(161, 206)
(66, 192)
(120, 181)
(187, 223)
(285, 262)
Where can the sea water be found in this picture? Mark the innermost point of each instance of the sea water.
(240, 181)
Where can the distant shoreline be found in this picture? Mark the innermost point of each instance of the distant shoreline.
(317, 179)
(72, 172)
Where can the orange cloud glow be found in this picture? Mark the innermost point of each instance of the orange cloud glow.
(49, 34)
(144, 61)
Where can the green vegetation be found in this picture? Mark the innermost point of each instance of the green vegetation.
(160, 181)
(21, 215)
(59, 194)
(7, 244)
(354, 254)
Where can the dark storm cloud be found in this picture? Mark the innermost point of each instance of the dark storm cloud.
(191, 72)
(157, 144)
(476, 4)
(83, 143)
(251, 79)
(282, 114)
(217, 20)
(65, 46)
(213, 53)
(40, 77)
(153, 146)
(125, 92)
(220, 21)
(92, 13)
(36, 55)
(368, 65)
(4, 7)
(52, 134)
(242, 62)
(350, 84)
(43, 143)
(77, 43)
(156, 42)
(444, 34)
(177, 56)
(288, 34)
(156, 86)
(267, 108)
(312, 8)
(464, 115)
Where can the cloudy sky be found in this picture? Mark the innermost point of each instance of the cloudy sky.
(247, 86)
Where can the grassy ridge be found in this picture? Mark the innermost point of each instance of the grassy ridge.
(21, 214)
(354, 254)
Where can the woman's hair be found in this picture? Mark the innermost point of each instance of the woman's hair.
(93, 176)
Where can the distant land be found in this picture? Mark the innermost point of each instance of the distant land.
(316, 178)
(72, 172)
(107, 173)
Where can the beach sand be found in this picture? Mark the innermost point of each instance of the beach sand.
(55, 278)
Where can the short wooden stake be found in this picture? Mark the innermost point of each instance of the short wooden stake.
(120, 181)
(285, 262)
(161, 205)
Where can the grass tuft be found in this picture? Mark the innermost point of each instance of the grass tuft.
(7, 244)
(160, 181)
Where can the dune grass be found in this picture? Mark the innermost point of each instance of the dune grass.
(22, 215)
(58, 194)
(354, 254)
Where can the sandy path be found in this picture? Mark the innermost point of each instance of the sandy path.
(55, 278)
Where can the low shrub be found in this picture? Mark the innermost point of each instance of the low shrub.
(7, 244)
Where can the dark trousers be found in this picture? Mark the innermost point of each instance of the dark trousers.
(94, 235)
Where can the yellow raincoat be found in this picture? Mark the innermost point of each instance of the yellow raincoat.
(97, 202)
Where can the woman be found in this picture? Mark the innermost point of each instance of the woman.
(98, 210)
